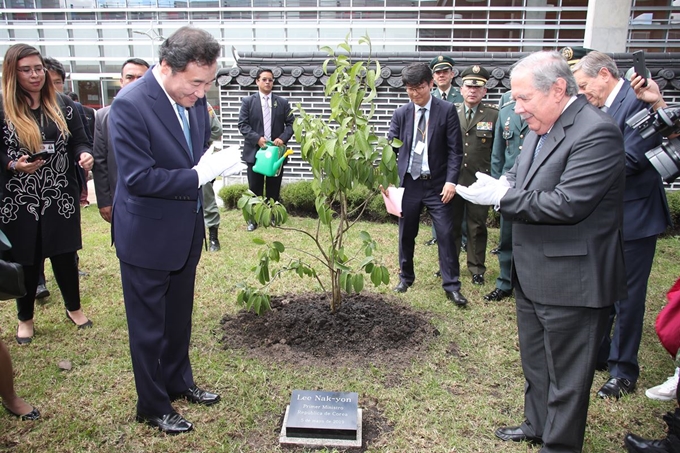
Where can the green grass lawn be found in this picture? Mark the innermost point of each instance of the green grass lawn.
(451, 400)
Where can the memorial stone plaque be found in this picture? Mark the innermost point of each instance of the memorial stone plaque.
(321, 414)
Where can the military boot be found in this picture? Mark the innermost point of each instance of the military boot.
(213, 239)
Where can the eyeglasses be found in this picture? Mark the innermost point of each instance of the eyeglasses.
(419, 88)
(38, 70)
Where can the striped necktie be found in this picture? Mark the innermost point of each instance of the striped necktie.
(267, 119)
(541, 140)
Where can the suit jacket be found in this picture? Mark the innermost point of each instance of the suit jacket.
(444, 143)
(251, 125)
(645, 210)
(508, 138)
(452, 96)
(567, 211)
(105, 170)
(154, 208)
(89, 115)
(477, 141)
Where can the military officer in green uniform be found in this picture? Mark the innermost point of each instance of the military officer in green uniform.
(478, 122)
(442, 72)
(507, 144)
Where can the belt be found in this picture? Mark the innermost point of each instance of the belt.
(425, 176)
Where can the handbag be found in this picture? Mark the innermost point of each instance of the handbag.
(668, 321)
(12, 283)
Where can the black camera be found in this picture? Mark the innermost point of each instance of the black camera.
(662, 121)
(666, 157)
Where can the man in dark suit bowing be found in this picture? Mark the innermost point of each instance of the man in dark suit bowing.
(645, 216)
(264, 117)
(564, 196)
(429, 164)
(159, 130)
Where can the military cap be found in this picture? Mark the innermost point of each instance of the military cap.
(441, 62)
(475, 76)
(574, 54)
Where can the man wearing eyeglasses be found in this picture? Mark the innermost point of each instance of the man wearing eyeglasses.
(264, 117)
(429, 163)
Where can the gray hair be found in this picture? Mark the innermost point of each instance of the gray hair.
(545, 68)
(593, 62)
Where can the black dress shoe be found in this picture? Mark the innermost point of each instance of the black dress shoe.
(497, 294)
(401, 287)
(515, 434)
(616, 388)
(24, 340)
(636, 444)
(495, 251)
(42, 292)
(438, 274)
(252, 226)
(432, 241)
(171, 423)
(456, 297)
(198, 396)
(477, 279)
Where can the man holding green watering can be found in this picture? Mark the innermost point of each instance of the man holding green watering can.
(264, 119)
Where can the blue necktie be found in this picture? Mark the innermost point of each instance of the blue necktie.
(541, 140)
(185, 126)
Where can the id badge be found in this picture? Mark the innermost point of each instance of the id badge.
(420, 147)
(48, 147)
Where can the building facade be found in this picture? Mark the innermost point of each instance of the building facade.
(94, 37)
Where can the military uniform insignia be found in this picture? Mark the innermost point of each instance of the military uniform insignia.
(485, 126)
(441, 58)
(476, 69)
(507, 133)
(568, 53)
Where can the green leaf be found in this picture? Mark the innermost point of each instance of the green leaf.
(349, 283)
(385, 275)
(358, 283)
(259, 241)
(376, 276)
(279, 246)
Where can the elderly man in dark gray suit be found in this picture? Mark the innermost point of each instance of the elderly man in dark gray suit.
(564, 196)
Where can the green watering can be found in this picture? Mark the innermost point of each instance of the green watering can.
(267, 160)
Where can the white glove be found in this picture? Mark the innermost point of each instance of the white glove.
(484, 180)
(483, 195)
(211, 166)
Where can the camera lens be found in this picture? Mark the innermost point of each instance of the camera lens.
(666, 159)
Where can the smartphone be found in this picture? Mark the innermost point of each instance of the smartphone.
(42, 155)
(639, 65)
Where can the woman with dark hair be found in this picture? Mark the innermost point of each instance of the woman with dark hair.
(43, 139)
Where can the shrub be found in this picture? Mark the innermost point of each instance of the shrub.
(231, 194)
(298, 197)
(674, 206)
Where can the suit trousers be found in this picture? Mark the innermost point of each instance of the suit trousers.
(620, 351)
(211, 212)
(419, 193)
(158, 306)
(260, 184)
(504, 280)
(477, 234)
(558, 348)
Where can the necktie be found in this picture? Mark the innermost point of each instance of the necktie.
(417, 162)
(185, 126)
(267, 119)
(444, 95)
(541, 140)
(470, 114)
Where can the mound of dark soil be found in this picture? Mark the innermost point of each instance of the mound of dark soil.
(300, 329)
